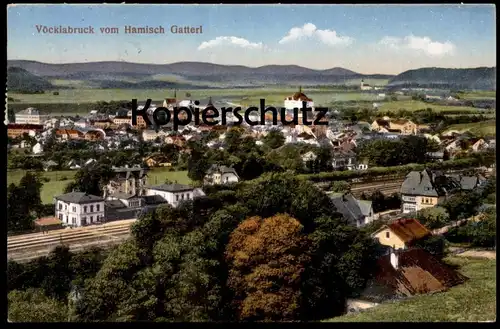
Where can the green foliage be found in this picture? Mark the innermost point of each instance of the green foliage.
(480, 233)
(33, 305)
(23, 202)
(434, 244)
(395, 170)
(381, 203)
(91, 180)
(483, 233)
(433, 217)
(340, 187)
(462, 205)
(175, 268)
(410, 149)
(274, 139)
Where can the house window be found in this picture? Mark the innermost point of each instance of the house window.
(84, 209)
(91, 219)
(60, 206)
(92, 208)
(187, 196)
(65, 207)
(61, 217)
(387, 235)
(177, 197)
(97, 207)
(74, 209)
(84, 221)
(73, 220)
(182, 197)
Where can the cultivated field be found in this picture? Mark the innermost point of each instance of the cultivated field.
(484, 128)
(59, 180)
(472, 301)
(411, 105)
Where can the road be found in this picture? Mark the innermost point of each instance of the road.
(26, 247)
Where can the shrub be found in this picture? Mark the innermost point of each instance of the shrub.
(433, 218)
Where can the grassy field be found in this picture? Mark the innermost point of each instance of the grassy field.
(484, 128)
(411, 105)
(478, 95)
(472, 301)
(59, 180)
(247, 96)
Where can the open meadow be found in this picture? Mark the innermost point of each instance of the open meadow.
(412, 105)
(484, 128)
(247, 97)
(473, 301)
(473, 95)
(59, 179)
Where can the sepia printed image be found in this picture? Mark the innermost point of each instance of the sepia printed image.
(251, 163)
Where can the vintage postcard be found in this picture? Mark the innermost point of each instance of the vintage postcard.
(248, 163)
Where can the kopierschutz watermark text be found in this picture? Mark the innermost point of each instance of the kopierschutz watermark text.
(210, 115)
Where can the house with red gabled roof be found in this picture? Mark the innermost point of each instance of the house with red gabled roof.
(401, 233)
(406, 273)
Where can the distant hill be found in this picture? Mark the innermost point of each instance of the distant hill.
(20, 80)
(190, 74)
(482, 78)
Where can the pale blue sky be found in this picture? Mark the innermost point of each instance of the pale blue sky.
(363, 38)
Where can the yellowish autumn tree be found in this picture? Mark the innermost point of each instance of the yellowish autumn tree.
(266, 259)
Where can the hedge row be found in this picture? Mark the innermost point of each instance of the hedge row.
(396, 170)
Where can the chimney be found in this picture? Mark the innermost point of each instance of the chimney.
(394, 258)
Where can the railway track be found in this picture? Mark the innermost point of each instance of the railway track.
(30, 246)
(26, 257)
(386, 188)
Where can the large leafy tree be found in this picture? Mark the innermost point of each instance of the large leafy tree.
(266, 259)
(23, 202)
(91, 180)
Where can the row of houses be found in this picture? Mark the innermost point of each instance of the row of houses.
(128, 194)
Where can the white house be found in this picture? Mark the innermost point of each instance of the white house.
(221, 175)
(365, 86)
(79, 209)
(37, 149)
(175, 193)
(186, 103)
(296, 101)
(309, 156)
(31, 116)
